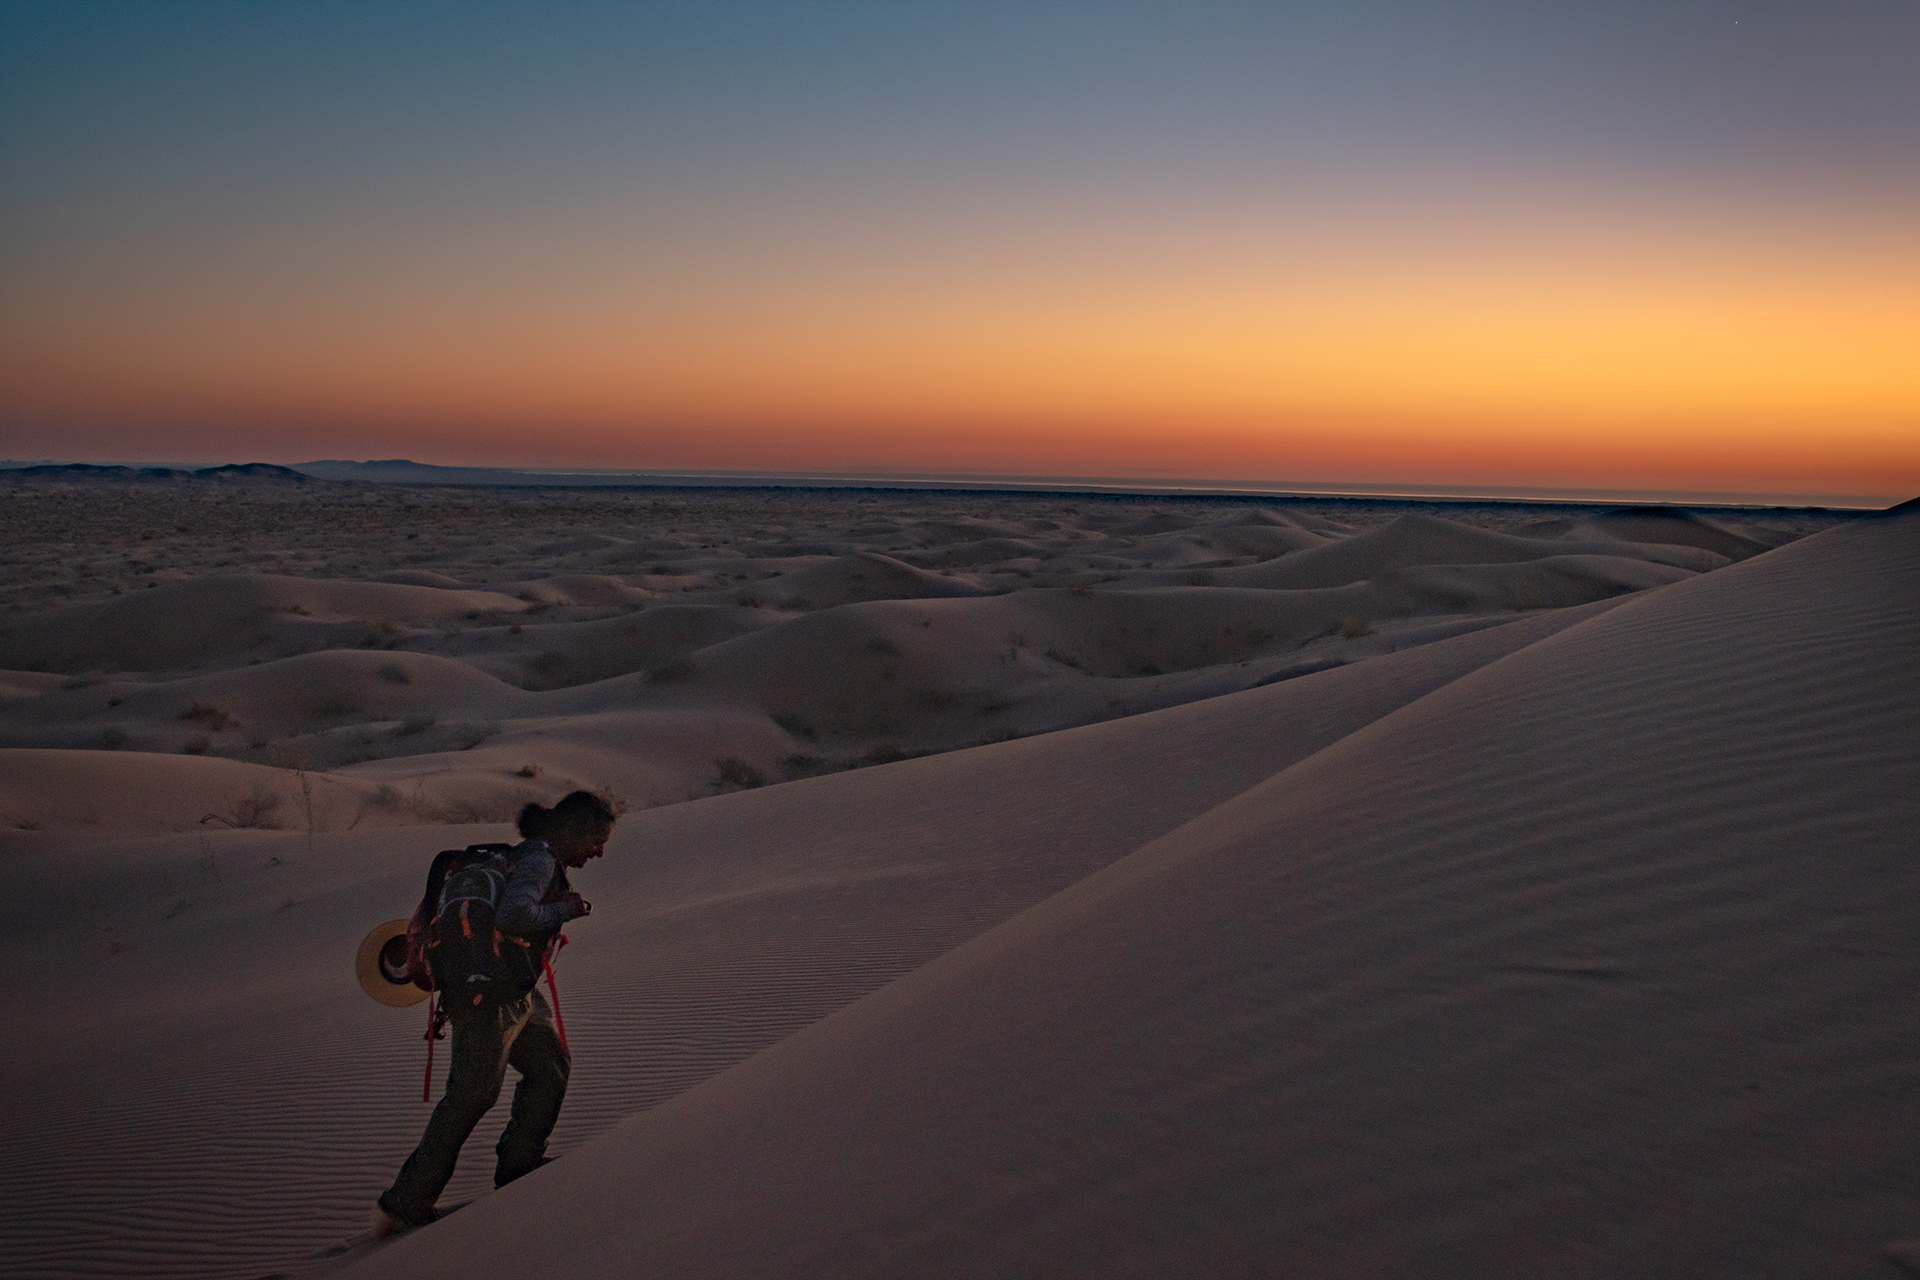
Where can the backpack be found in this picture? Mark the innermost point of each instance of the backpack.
(453, 945)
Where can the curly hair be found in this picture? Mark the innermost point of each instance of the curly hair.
(575, 810)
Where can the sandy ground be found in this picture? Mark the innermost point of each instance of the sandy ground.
(1009, 885)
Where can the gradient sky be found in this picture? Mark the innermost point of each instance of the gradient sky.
(1594, 245)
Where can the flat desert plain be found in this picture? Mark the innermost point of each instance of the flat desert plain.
(1008, 885)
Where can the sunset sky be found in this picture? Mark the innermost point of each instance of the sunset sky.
(1614, 246)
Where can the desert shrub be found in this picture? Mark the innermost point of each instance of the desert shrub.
(215, 718)
(394, 673)
(1354, 628)
(797, 604)
(527, 771)
(415, 724)
(735, 772)
(335, 704)
(550, 663)
(386, 796)
(1150, 669)
(750, 599)
(796, 724)
(112, 738)
(255, 808)
(1066, 658)
(885, 753)
(196, 746)
(1199, 578)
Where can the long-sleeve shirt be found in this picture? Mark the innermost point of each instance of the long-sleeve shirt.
(533, 905)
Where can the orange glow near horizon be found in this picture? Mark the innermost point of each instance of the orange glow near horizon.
(1596, 358)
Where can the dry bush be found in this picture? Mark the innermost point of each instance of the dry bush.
(527, 771)
(801, 765)
(415, 724)
(394, 673)
(196, 746)
(1354, 628)
(215, 718)
(735, 772)
(255, 808)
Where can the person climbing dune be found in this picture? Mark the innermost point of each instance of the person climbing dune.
(488, 995)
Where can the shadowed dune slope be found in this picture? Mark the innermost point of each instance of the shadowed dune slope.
(866, 575)
(1666, 526)
(288, 1099)
(1596, 962)
(1424, 540)
(222, 615)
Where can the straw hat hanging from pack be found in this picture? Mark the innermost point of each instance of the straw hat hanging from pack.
(381, 966)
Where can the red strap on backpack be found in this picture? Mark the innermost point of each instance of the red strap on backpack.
(546, 962)
(434, 1032)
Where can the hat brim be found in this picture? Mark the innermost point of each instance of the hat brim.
(385, 982)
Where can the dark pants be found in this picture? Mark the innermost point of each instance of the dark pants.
(487, 1039)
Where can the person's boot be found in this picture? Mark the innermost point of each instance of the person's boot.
(391, 1224)
(502, 1178)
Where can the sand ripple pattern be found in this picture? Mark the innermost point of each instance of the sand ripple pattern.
(250, 1154)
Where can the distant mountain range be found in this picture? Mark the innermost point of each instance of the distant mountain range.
(403, 471)
(161, 475)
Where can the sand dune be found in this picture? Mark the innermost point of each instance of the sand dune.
(1663, 526)
(865, 576)
(809, 663)
(720, 926)
(1596, 961)
(1202, 920)
(1415, 539)
(229, 617)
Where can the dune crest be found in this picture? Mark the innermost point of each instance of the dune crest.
(1540, 973)
(1230, 894)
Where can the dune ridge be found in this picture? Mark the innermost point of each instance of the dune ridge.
(819, 634)
(720, 927)
(264, 705)
(1592, 962)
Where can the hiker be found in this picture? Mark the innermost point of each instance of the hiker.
(505, 1027)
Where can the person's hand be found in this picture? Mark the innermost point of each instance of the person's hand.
(578, 905)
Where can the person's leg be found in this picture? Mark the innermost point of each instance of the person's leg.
(543, 1066)
(482, 1037)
